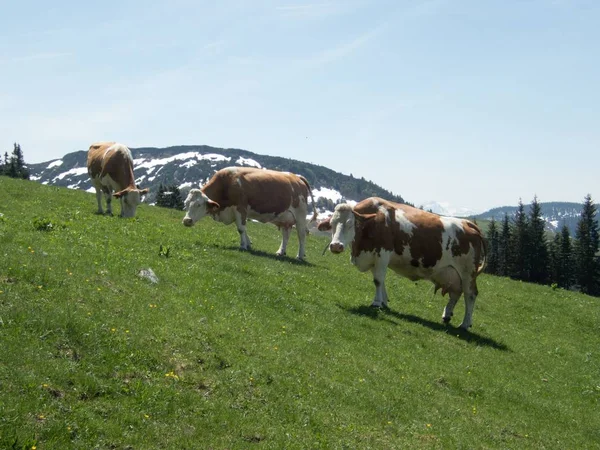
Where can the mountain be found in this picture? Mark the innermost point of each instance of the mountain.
(556, 214)
(192, 166)
(447, 209)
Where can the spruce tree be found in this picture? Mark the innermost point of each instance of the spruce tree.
(565, 278)
(160, 196)
(588, 240)
(16, 166)
(537, 252)
(4, 165)
(520, 261)
(493, 257)
(554, 259)
(504, 248)
(169, 197)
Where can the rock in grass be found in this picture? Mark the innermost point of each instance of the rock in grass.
(149, 275)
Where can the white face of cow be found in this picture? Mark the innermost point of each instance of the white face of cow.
(197, 205)
(341, 225)
(130, 199)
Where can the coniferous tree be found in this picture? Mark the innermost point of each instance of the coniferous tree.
(554, 259)
(493, 256)
(160, 197)
(16, 165)
(4, 165)
(519, 264)
(504, 248)
(586, 247)
(169, 197)
(537, 251)
(565, 278)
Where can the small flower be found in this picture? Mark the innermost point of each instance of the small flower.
(113, 329)
(428, 425)
(146, 416)
(126, 331)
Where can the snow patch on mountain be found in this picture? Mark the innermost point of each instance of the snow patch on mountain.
(56, 163)
(447, 209)
(75, 171)
(329, 194)
(192, 159)
(248, 162)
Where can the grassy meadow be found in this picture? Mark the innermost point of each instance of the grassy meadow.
(236, 350)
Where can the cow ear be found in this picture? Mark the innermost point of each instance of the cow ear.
(324, 225)
(362, 218)
(212, 206)
(120, 193)
(144, 191)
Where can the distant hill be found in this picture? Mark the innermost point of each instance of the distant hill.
(190, 166)
(556, 214)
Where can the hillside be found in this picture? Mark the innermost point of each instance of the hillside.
(239, 350)
(555, 214)
(191, 166)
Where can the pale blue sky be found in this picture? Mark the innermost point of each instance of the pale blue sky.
(473, 102)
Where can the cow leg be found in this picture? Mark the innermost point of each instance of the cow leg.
(449, 309)
(379, 271)
(99, 200)
(301, 229)
(470, 296)
(240, 223)
(285, 236)
(108, 197)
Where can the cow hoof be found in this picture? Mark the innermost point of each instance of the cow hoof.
(464, 327)
(279, 254)
(375, 306)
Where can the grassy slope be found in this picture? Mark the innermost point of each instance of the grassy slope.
(235, 349)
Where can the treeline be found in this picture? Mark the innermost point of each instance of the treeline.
(14, 165)
(518, 247)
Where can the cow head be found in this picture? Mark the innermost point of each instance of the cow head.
(130, 199)
(344, 224)
(198, 205)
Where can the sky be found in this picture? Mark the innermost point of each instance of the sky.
(478, 103)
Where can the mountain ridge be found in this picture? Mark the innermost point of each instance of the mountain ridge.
(190, 166)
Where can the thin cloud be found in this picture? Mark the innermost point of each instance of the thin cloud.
(39, 57)
(333, 54)
(316, 10)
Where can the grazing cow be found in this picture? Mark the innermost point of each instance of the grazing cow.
(110, 166)
(449, 252)
(235, 194)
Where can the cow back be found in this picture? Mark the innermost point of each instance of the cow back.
(263, 191)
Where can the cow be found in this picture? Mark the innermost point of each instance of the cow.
(110, 166)
(236, 194)
(416, 244)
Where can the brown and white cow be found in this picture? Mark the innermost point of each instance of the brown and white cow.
(416, 244)
(110, 166)
(236, 194)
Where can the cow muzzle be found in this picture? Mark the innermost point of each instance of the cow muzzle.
(336, 247)
(188, 222)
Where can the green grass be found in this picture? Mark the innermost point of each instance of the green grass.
(238, 349)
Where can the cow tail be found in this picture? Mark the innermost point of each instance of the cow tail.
(484, 250)
(314, 216)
